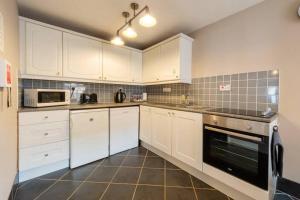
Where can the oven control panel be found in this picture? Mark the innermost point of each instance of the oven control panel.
(249, 126)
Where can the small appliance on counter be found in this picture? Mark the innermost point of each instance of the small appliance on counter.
(120, 96)
(88, 98)
(46, 97)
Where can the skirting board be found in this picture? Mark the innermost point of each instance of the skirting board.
(231, 192)
(36, 172)
(13, 190)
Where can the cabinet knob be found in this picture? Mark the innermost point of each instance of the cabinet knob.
(46, 117)
(104, 78)
(173, 113)
(100, 77)
(91, 119)
(45, 134)
(177, 76)
(46, 155)
(157, 79)
(57, 73)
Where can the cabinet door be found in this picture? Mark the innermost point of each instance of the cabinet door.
(187, 138)
(161, 129)
(170, 60)
(151, 65)
(124, 129)
(145, 124)
(116, 63)
(89, 138)
(43, 51)
(136, 66)
(82, 57)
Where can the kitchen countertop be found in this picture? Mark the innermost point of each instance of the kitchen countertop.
(193, 108)
(79, 107)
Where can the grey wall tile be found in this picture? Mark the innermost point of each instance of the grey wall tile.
(253, 90)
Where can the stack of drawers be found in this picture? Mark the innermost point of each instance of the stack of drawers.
(43, 142)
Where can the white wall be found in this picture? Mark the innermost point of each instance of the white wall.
(266, 36)
(8, 116)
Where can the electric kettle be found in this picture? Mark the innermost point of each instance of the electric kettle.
(120, 96)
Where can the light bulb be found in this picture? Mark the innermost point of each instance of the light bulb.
(117, 41)
(147, 20)
(129, 32)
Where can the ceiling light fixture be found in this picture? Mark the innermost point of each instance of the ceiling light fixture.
(147, 21)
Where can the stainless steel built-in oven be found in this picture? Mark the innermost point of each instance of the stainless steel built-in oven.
(238, 147)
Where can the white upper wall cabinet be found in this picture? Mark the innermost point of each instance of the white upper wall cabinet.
(151, 65)
(169, 61)
(43, 50)
(82, 57)
(50, 52)
(116, 63)
(136, 66)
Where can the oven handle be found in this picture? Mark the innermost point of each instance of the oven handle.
(253, 138)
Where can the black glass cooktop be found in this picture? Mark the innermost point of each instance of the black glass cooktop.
(251, 113)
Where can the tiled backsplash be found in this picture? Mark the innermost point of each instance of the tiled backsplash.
(253, 91)
(105, 92)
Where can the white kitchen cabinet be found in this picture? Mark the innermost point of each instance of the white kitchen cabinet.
(161, 127)
(145, 124)
(43, 142)
(187, 138)
(43, 51)
(124, 129)
(169, 61)
(176, 133)
(151, 65)
(89, 130)
(82, 57)
(116, 63)
(136, 66)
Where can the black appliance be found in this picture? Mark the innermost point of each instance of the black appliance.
(120, 96)
(238, 147)
(88, 98)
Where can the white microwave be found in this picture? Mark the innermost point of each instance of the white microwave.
(46, 97)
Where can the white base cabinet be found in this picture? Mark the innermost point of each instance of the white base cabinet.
(43, 142)
(161, 128)
(176, 133)
(124, 129)
(89, 130)
(187, 138)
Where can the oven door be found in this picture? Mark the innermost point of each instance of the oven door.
(243, 155)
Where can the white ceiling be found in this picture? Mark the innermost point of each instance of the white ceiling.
(102, 18)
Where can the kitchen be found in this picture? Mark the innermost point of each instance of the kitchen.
(199, 106)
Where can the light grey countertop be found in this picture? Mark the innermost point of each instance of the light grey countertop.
(193, 108)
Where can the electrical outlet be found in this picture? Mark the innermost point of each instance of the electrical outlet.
(225, 87)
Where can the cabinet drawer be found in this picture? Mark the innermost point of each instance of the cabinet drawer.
(33, 135)
(42, 155)
(26, 118)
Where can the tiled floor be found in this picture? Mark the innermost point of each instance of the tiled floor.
(137, 174)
